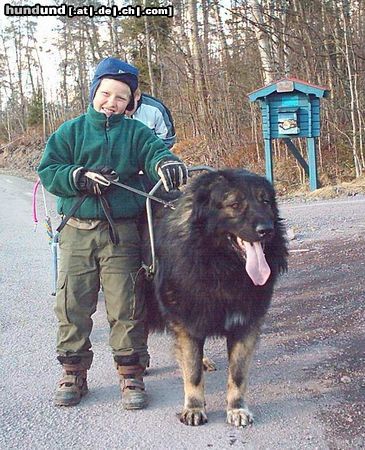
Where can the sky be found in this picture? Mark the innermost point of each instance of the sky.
(44, 36)
(49, 58)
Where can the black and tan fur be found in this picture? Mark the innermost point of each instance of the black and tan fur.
(201, 288)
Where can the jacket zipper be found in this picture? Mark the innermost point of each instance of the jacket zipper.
(107, 128)
(107, 156)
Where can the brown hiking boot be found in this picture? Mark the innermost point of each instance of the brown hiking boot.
(72, 386)
(131, 383)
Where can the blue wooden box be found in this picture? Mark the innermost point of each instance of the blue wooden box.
(290, 108)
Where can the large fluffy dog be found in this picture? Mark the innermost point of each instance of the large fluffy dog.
(218, 256)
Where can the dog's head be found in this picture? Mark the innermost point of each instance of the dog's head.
(238, 207)
(235, 202)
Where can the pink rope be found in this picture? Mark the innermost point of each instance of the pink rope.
(34, 202)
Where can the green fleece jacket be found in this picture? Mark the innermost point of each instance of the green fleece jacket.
(93, 141)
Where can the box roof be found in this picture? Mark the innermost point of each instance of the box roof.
(298, 85)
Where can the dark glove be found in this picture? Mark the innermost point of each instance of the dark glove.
(172, 173)
(95, 181)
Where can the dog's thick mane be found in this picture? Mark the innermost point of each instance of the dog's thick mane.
(189, 248)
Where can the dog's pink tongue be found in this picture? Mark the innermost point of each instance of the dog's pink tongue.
(256, 264)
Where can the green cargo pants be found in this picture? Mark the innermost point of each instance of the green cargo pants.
(87, 257)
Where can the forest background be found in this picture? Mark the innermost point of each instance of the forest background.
(202, 63)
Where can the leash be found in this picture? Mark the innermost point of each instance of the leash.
(72, 211)
(144, 194)
(53, 238)
(107, 211)
(98, 178)
(106, 208)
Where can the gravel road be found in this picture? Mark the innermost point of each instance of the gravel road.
(307, 382)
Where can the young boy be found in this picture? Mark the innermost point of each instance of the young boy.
(100, 242)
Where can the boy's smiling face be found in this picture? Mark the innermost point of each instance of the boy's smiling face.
(111, 97)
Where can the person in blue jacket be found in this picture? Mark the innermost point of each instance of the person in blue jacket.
(153, 113)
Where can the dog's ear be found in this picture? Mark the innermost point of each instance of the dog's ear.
(200, 206)
(203, 193)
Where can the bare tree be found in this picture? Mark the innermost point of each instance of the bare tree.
(349, 66)
(263, 42)
(149, 54)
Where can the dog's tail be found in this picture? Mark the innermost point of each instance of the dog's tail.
(144, 291)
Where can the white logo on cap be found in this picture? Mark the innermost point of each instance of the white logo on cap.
(121, 71)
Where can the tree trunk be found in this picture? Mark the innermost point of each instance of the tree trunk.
(349, 67)
(263, 42)
(44, 102)
(149, 56)
(197, 61)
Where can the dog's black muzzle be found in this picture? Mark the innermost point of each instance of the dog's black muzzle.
(265, 230)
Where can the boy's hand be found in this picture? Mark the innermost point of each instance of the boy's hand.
(95, 181)
(172, 173)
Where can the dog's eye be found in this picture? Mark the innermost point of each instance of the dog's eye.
(264, 200)
(234, 205)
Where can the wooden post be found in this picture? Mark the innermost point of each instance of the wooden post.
(312, 162)
(268, 161)
(296, 153)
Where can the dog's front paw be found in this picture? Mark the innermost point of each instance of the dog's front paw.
(240, 417)
(193, 416)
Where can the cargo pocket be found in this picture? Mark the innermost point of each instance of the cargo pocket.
(138, 299)
(139, 283)
(61, 299)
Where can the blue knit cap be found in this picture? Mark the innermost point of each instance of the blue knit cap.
(117, 70)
